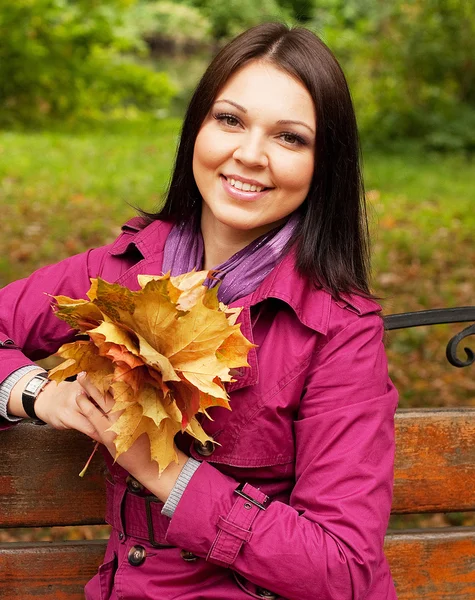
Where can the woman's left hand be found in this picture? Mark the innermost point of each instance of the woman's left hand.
(137, 459)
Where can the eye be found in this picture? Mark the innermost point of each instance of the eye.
(292, 139)
(227, 119)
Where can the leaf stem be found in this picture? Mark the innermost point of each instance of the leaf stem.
(83, 472)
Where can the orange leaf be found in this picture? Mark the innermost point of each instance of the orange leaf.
(165, 352)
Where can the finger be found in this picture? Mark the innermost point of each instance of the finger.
(87, 385)
(104, 402)
(82, 424)
(92, 413)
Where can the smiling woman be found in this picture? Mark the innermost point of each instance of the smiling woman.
(291, 499)
(284, 87)
(253, 163)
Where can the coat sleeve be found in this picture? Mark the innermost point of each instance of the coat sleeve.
(29, 330)
(327, 543)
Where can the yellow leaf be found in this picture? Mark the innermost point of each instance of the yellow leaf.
(83, 356)
(112, 299)
(233, 349)
(206, 386)
(162, 448)
(186, 398)
(155, 359)
(134, 377)
(195, 429)
(128, 428)
(151, 400)
(153, 313)
(116, 335)
(66, 369)
(207, 401)
(232, 314)
(197, 334)
(191, 287)
(165, 352)
(78, 314)
(122, 392)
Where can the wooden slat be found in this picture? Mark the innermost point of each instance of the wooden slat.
(434, 565)
(39, 483)
(435, 470)
(56, 571)
(435, 461)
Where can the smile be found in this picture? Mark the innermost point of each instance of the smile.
(246, 187)
(243, 190)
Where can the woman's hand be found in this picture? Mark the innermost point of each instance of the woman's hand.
(96, 408)
(57, 406)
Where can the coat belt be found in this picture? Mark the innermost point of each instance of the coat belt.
(135, 515)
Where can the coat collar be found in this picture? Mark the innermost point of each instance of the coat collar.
(149, 240)
(311, 305)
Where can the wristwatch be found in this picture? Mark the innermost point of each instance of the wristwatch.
(31, 393)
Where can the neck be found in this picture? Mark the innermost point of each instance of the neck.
(222, 241)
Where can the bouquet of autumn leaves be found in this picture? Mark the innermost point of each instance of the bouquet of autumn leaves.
(164, 353)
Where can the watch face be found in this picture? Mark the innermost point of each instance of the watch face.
(33, 385)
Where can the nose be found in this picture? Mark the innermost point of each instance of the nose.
(251, 151)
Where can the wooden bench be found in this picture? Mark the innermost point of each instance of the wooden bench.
(435, 472)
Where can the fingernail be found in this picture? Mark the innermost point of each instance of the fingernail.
(82, 374)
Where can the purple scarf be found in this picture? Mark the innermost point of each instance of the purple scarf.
(242, 272)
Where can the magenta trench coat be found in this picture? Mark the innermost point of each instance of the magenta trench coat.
(311, 427)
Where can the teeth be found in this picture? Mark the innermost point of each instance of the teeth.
(245, 187)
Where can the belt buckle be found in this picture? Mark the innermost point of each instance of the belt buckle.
(261, 505)
(148, 512)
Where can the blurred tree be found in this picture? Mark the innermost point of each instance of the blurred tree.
(178, 22)
(300, 10)
(234, 16)
(66, 58)
(411, 66)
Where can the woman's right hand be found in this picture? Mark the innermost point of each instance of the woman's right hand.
(55, 405)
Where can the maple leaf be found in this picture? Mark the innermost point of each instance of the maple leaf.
(83, 356)
(164, 352)
(78, 314)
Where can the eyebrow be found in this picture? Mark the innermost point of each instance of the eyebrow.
(290, 122)
(235, 104)
(281, 122)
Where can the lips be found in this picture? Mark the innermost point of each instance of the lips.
(245, 184)
(242, 194)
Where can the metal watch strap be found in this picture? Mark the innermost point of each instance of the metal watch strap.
(31, 392)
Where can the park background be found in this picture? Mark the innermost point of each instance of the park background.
(92, 93)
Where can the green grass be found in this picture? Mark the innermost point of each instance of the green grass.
(63, 192)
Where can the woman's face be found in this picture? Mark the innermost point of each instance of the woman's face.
(253, 159)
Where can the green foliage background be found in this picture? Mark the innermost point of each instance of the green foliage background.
(410, 63)
(64, 59)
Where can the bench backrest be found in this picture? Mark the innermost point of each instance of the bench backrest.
(39, 486)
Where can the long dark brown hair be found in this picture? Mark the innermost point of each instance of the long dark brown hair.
(332, 247)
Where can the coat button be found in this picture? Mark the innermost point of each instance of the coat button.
(263, 593)
(188, 556)
(136, 555)
(205, 449)
(133, 485)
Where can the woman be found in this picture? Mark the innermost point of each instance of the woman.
(294, 501)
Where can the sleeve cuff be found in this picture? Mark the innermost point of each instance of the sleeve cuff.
(177, 492)
(6, 387)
